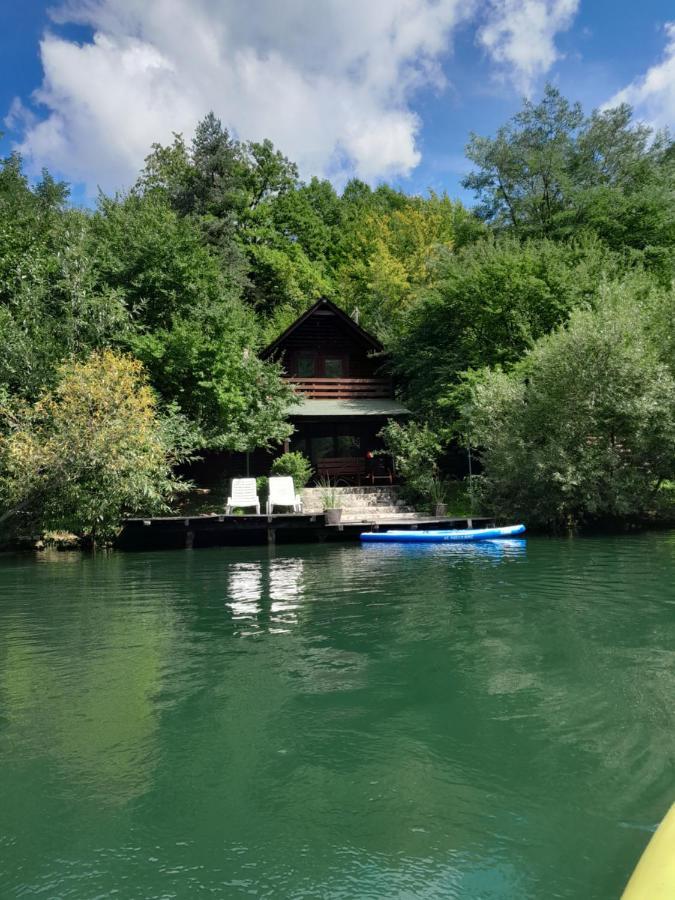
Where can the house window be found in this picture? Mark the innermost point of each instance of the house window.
(347, 445)
(322, 447)
(333, 367)
(305, 365)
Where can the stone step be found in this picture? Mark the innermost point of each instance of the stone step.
(365, 493)
(368, 510)
(365, 502)
(377, 511)
(392, 517)
(352, 499)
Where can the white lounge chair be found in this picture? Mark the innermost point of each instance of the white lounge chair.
(243, 494)
(282, 493)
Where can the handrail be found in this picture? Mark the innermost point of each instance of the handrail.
(342, 388)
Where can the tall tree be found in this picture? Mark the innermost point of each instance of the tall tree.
(551, 171)
(487, 305)
(50, 303)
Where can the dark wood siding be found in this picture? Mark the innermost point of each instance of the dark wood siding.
(324, 335)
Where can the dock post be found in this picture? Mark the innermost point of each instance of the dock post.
(271, 536)
(189, 539)
(469, 523)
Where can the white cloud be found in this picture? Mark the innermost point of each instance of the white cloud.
(653, 94)
(519, 35)
(330, 82)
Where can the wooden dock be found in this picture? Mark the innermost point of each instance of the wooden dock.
(174, 532)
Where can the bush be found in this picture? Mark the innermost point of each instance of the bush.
(584, 428)
(414, 449)
(262, 488)
(296, 465)
(90, 451)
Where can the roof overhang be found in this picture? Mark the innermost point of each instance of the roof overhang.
(305, 407)
(326, 307)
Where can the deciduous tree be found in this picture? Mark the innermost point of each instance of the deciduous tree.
(89, 451)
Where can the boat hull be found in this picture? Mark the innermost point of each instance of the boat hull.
(442, 536)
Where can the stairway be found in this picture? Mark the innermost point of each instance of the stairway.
(367, 503)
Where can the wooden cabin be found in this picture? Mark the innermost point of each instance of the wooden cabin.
(344, 398)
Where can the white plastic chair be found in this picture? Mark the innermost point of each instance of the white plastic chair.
(243, 494)
(282, 493)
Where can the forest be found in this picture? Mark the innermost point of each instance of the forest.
(535, 327)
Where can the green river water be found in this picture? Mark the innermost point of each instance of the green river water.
(486, 721)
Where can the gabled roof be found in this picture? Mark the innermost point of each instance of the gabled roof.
(324, 304)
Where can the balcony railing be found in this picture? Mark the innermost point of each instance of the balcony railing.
(342, 388)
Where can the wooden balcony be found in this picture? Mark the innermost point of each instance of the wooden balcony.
(342, 388)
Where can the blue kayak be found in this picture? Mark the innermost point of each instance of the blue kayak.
(443, 537)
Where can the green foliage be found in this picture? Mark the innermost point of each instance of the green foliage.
(236, 400)
(490, 302)
(415, 449)
(387, 257)
(296, 465)
(156, 261)
(437, 491)
(328, 493)
(191, 330)
(584, 428)
(551, 171)
(89, 451)
(262, 488)
(219, 246)
(50, 303)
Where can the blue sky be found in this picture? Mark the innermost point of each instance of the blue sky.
(388, 89)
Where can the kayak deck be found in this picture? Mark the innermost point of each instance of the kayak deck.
(443, 536)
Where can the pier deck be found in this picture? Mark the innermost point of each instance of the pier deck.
(167, 532)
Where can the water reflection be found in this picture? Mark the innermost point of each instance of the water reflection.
(245, 586)
(496, 550)
(78, 687)
(286, 588)
(265, 595)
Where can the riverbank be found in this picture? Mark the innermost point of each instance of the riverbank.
(213, 530)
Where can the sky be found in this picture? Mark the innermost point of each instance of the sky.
(375, 89)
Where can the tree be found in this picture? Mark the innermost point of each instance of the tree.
(192, 332)
(415, 449)
(584, 428)
(50, 304)
(551, 171)
(489, 303)
(90, 451)
(388, 256)
(523, 173)
(156, 260)
(206, 364)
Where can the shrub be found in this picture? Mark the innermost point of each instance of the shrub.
(89, 451)
(262, 488)
(584, 428)
(296, 465)
(414, 449)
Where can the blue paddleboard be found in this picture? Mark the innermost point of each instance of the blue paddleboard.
(442, 536)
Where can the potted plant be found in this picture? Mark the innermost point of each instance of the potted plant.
(329, 500)
(438, 495)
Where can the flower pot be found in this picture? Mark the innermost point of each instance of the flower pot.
(441, 510)
(333, 516)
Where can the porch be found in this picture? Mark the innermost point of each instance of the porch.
(340, 437)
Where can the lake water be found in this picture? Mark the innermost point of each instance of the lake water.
(475, 722)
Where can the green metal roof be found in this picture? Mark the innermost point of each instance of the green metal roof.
(307, 407)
